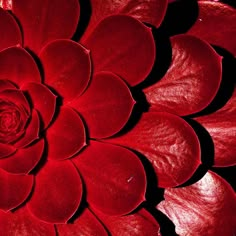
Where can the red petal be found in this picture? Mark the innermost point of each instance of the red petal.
(57, 193)
(140, 223)
(24, 160)
(168, 142)
(53, 21)
(66, 136)
(22, 223)
(149, 11)
(6, 4)
(5, 84)
(14, 189)
(67, 67)
(86, 224)
(117, 45)
(221, 125)
(114, 178)
(6, 150)
(18, 66)
(43, 100)
(183, 89)
(106, 105)
(216, 24)
(12, 33)
(205, 208)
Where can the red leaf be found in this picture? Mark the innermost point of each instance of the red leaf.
(18, 66)
(53, 21)
(24, 160)
(114, 178)
(117, 45)
(168, 142)
(205, 208)
(22, 223)
(6, 150)
(221, 125)
(12, 33)
(216, 24)
(14, 189)
(67, 67)
(183, 89)
(106, 105)
(57, 193)
(86, 224)
(66, 136)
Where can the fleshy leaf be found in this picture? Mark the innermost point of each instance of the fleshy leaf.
(117, 45)
(169, 143)
(6, 150)
(216, 24)
(57, 193)
(106, 105)
(23, 160)
(18, 66)
(183, 89)
(12, 33)
(66, 136)
(67, 67)
(20, 222)
(53, 21)
(86, 224)
(114, 178)
(204, 208)
(14, 189)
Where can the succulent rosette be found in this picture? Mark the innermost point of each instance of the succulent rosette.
(116, 117)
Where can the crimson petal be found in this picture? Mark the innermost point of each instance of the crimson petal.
(127, 55)
(6, 4)
(22, 223)
(6, 150)
(106, 105)
(24, 160)
(12, 33)
(216, 24)
(6, 84)
(205, 208)
(57, 193)
(86, 224)
(53, 21)
(183, 89)
(168, 142)
(66, 136)
(114, 177)
(14, 189)
(18, 66)
(67, 67)
(221, 125)
(43, 100)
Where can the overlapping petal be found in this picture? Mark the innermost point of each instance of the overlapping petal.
(6, 150)
(6, 84)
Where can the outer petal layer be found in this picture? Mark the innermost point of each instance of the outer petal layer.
(114, 177)
(57, 192)
(6, 150)
(168, 142)
(204, 208)
(117, 45)
(192, 80)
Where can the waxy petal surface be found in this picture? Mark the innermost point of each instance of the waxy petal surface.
(6, 84)
(53, 21)
(57, 192)
(12, 33)
(106, 105)
(14, 189)
(22, 223)
(221, 125)
(204, 208)
(168, 142)
(183, 89)
(127, 55)
(216, 24)
(17, 65)
(23, 160)
(66, 136)
(67, 68)
(86, 224)
(6, 150)
(114, 178)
